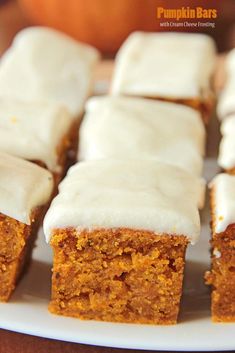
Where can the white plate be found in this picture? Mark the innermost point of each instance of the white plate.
(27, 310)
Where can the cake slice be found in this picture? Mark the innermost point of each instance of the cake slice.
(25, 190)
(226, 102)
(222, 274)
(226, 158)
(127, 127)
(43, 64)
(119, 231)
(175, 67)
(37, 131)
(46, 65)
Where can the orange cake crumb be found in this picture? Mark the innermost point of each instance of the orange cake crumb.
(119, 275)
(16, 244)
(222, 274)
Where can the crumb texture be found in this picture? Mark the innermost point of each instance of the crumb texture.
(221, 277)
(16, 243)
(117, 275)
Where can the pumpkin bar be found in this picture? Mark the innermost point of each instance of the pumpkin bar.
(226, 159)
(25, 190)
(175, 67)
(43, 64)
(128, 127)
(46, 65)
(222, 274)
(226, 102)
(39, 132)
(119, 236)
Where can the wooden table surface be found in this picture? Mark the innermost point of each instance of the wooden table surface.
(12, 20)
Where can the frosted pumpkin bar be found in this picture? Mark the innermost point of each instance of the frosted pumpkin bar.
(119, 231)
(43, 64)
(226, 158)
(127, 127)
(175, 67)
(36, 131)
(226, 101)
(222, 274)
(25, 189)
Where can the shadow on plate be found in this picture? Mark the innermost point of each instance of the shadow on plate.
(195, 304)
(35, 284)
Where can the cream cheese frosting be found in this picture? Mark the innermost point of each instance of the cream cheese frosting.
(226, 103)
(33, 130)
(46, 65)
(226, 158)
(23, 186)
(169, 65)
(134, 194)
(224, 200)
(124, 127)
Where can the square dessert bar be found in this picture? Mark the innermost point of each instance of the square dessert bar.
(119, 231)
(222, 274)
(52, 67)
(25, 190)
(37, 131)
(176, 67)
(128, 127)
(44, 65)
(226, 103)
(226, 158)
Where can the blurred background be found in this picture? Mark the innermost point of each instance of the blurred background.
(106, 23)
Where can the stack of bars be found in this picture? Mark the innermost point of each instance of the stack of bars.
(222, 274)
(124, 215)
(45, 78)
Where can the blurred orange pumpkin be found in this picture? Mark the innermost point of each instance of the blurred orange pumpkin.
(106, 23)
(102, 23)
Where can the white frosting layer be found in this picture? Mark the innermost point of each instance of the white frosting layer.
(34, 130)
(135, 194)
(226, 104)
(224, 193)
(226, 158)
(46, 65)
(123, 127)
(169, 65)
(23, 186)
